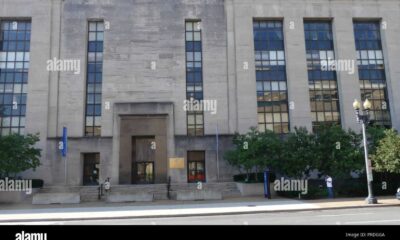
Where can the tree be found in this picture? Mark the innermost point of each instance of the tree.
(1, 112)
(255, 151)
(18, 153)
(387, 156)
(331, 150)
(299, 153)
(374, 134)
(238, 156)
(271, 148)
(338, 151)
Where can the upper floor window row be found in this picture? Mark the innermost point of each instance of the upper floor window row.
(14, 67)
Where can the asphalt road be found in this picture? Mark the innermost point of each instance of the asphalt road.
(356, 216)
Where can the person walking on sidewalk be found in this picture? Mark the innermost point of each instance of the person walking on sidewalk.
(329, 185)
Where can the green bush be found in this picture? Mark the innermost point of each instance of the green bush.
(37, 183)
(387, 155)
(316, 190)
(255, 151)
(352, 187)
(251, 178)
(392, 181)
(330, 150)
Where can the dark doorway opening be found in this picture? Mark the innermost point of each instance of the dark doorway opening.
(91, 166)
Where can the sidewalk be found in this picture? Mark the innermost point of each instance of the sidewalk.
(354, 202)
(93, 211)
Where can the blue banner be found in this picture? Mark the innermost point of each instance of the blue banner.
(266, 185)
(64, 142)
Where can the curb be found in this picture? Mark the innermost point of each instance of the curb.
(193, 214)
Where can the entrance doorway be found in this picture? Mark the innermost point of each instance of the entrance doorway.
(91, 162)
(143, 160)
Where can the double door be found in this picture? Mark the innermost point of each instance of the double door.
(143, 160)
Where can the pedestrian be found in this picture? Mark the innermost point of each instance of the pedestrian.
(329, 185)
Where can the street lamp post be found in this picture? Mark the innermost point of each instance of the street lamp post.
(363, 119)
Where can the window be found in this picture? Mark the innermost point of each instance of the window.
(196, 166)
(322, 78)
(94, 78)
(91, 166)
(194, 76)
(371, 68)
(272, 97)
(14, 67)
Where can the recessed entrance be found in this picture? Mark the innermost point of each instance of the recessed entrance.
(143, 149)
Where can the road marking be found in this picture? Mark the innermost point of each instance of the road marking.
(349, 214)
(376, 221)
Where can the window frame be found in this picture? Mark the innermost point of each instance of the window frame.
(94, 79)
(270, 66)
(321, 83)
(14, 74)
(369, 70)
(196, 129)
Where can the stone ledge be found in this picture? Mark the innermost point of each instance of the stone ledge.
(15, 197)
(198, 195)
(56, 198)
(126, 197)
(254, 189)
